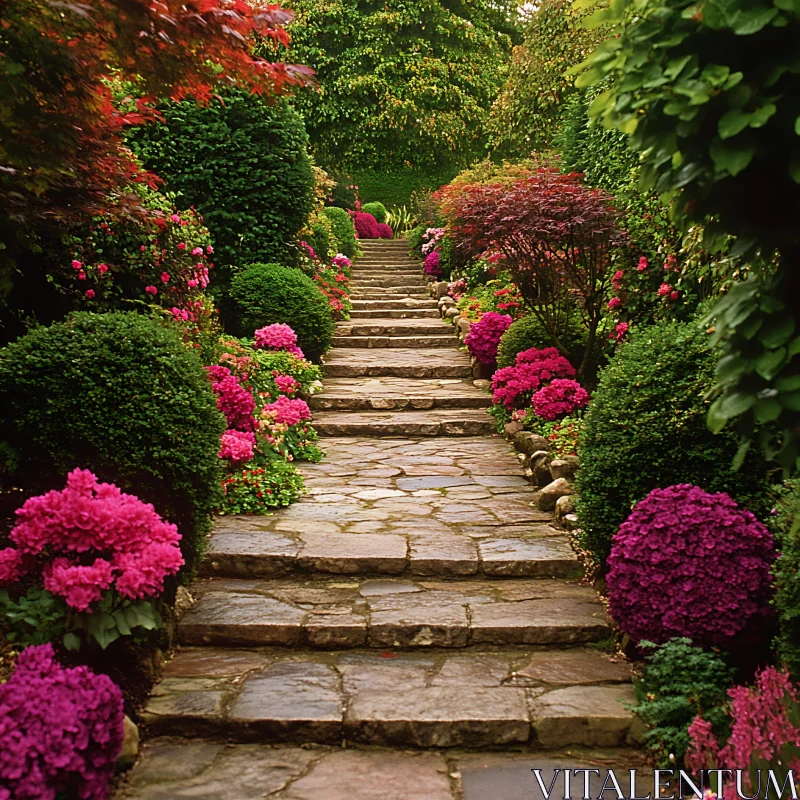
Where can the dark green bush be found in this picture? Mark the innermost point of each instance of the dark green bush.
(786, 570)
(118, 394)
(343, 229)
(243, 164)
(681, 682)
(321, 242)
(396, 188)
(529, 331)
(378, 210)
(267, 293)
(646, 428)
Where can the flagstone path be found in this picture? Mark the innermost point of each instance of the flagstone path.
(412, 629)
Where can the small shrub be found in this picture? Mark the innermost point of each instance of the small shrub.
(366, 226)
(529, 331)
(385, 231)
(560, 397)
(62, 729)
(258, 489)
(265, 294)
(431, 265)
(121, 395)
(378, 210)
(320, 240)
(484, 336)
(513, 387)
(343, 229)
(689, 563)
(680, 682)
(646, 427)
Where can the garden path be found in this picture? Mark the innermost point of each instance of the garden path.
(413, 629)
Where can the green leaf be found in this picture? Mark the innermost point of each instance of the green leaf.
(791, 383)
(777, 333)
(731, 158)
(770, 363)
(767, 409)
(733, 122)
(797, 126)
(790, 400)
(753, 20)
(760, 116)
(71, 642)
(735, 404)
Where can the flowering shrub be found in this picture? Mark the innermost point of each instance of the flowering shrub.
(286, 411)
(431, 265)
(366, 226)
(90, 542)
(233, 400)
(334, 283)
(529, 331)
(689, 563)
(277, 337)
(342, 262)
(238, 446)
(61, 730)
(385, 231)
(431, 238)
(484, 336)
(257, 489)
(282, 424)
(765, 727)
(495, 295)
(514, 386)
(559, 398)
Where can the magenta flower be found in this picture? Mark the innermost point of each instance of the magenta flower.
(233, 400)
(76, 264)
(197, 251)
(613, 303)
(664, 289)
(238, 446)
(514, 386)
(165, 277)
(102, 268)
(286, 384)
(277, 337)
(151, 290)
(181, 245)
(484, 335)
(431, 265)
(642, 265)
(287, 411)
(560, 397)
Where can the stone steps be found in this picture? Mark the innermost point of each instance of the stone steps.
(437, 363)
(398, 394)
(369, 294)
(415, 342)
(392, 327)
(436, 422)
(394, 313)
(384, 303)
(436, 699)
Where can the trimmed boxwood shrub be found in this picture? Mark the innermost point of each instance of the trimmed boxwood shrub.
(646, 428)
(378, 210)
(120, 395)
(243, 164)
(267, 293)
(528, 332)
(343, 230)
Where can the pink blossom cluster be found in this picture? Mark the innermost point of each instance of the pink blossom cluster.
(341, 261)
(61, 730)
(277, 337)
(484, 335)
(367, 227)
(238, 446)
(310, 250)
(431, 237)
(287, 411)
(558, 398)
(762, 728)
(431, 265)
(457, 288)
(135, 549)
(286, 384)
(233, 400)
(689, 563)
(515, 386)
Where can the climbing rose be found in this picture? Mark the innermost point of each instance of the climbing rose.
(287, 411)
(233, 400)
(560, 397)
(689, 563)
(61, 730)
(642, 265)
(165, 277)
(151, 290)
(238, 446)
(89, 293)
(514, 386)
(277, 337)
(484, 335)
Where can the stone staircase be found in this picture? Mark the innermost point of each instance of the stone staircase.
(415, 600)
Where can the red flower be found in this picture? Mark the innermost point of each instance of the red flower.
(664, 290)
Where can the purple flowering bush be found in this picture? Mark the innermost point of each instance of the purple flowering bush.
(431, 265)
(689, 563)
(483, 338)
(61, 730)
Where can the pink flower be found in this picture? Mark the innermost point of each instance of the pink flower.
(77, 265)
(286, 384)
(102, 268)
(431, 265)
(277, 337)
(621, 330)
(341, 261)
(181, 245)
(151, 290)
(10, 566)
(233, 400)
(484, 335)
(614, 302)
(192, 282)
(664, 289)
(209, 249)
(514, 386)
(674, 295)
(642, 265)
(89, 293)
(165, 277)
(238, 446)
(560, 397)
(197, 251)
(175, 217)
(79, 585)
(143, 248)
(287, 411)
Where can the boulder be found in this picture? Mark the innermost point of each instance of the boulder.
(451, 312)
(482, 384)
(564, 506)
(564, 467)
(539, 464)
(463, 327)
(570, 522)
(548, 497)
(446, 301)
(530, 443)
(130, 745)
(440, 289)
(510, 428)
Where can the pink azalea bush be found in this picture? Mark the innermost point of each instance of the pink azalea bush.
(385, 231)
(233, 400)
(431, 237)
(366, 226)
(286, 384)
(514, 386)
(689, 563)
(237, 446)
(431, 265)
(558, 398)
(61, 730)
(483, 338)
(762, 728)
(91, 537)
(341, 261)
(277, 337)
(287, 411)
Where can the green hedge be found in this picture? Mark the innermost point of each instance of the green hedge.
(118, 394)
(395, 189)
(343, 230)
(378, 210)
(264, 294)
(646, 428)
(529, 331)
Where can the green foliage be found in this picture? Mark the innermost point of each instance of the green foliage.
(118, 394)
(242, 163)
(258, 489)
(710, 95)
(396, 188)
(377, 209)
(786, 527)
(529, 331)
(264, 294)
(645, 428)
(402, 85)
(112, 618)
(681, 682)
(35, 618)
(320, 240)
(343, 229)
(414, 237)
(401, 220)
(527, 114)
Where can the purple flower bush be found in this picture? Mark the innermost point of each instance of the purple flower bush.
(559, 398)
(431, 265)
(61, 730)
(689, 563)
(385, 231)
(366, 226)
(483, 338)
(514, 386)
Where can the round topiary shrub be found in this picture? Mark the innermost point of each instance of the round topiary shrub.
(646, 428)
(343, 229)
(689, 563)
(378, 210)
(264, 294)
(120, 395)
(529, 331)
